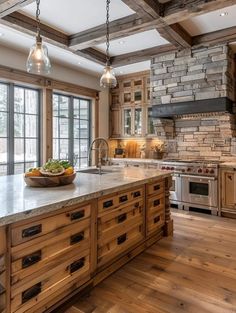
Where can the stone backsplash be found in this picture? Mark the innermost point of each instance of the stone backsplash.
(193, 74)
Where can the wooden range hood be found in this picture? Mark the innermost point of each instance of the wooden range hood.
(191, 107)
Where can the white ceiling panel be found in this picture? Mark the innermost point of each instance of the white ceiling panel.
(144, 40)
(77, 15)
(133, 68)
(210, 22)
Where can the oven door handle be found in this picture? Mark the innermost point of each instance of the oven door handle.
(198, 177)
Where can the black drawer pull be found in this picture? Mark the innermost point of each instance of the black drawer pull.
(121, 218)
(123, 198)
(136, 205)
(75, 266)
(107, 204)
(31, 292)
(121, 239)
(32, 231)
(157, 187)
(31, 259)
(136, 194)
(76, 238)
(156, 202)
(77, 215)
(157, 219)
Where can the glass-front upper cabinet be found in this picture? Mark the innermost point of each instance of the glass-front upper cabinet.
(127, 122)
(138, 122)
(150, 123)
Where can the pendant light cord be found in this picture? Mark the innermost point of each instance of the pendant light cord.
(108, 33)
(37, 17)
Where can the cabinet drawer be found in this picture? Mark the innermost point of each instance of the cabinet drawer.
(120, 220)
(2, 301)
(110, 248)
(155, 203)
(27, 260)
(155, 188)
(28, 231)
(114, 201)
(30, 292)
(155, 221)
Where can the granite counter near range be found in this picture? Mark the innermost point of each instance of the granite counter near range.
(58, 241)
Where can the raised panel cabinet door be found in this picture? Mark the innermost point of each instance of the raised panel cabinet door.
(229, 185)
(115, 123)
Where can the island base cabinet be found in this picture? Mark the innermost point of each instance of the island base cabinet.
(228, 192)
(3, 273)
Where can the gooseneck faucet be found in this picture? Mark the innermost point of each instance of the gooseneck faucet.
(99, 144)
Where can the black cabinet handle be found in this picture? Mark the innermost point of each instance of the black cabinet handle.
(76, 238)
(31, 259)
(157, 219)
(136, 205)
(156, 202)
(107, 204)
(156, 187)
(31, 231)
(121, 239)
(121, 218)
(123, 198)
(76, 215)
(136, 194)
(75, 266)
(31, 292)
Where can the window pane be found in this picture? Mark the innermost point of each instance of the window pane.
(76, 128)
(55, 105)
(3, 124)
(83, 163)
(64, 106)
(64, 128)
(55, 127)
(3, 97)
(29, 165)
(64, 149)
(31, 101)
(3, 150)
(19, 168)
(19, 100)
(3, 170)
(76, 108)
(30, 149)
(83, 148)
(19, 150)
(19, 125)
(84, 129)
(31, 126)
(55, 148)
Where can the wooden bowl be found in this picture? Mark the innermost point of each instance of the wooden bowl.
(43, 181)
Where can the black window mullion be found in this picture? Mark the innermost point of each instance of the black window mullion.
(11, 129)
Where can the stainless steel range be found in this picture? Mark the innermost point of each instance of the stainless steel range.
(195, 184)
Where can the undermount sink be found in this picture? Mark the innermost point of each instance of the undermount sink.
(96, 171)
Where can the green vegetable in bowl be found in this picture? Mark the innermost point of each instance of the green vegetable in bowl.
(52, 167)
(65, 164)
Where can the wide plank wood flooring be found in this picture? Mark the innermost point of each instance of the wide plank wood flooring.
(194, 272)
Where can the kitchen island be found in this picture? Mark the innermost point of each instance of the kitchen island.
(58, 241)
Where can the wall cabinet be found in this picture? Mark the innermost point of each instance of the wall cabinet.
(228, 190)
(131, 98)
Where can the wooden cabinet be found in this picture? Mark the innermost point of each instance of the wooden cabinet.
(3, 274)
(228, 190)
(131, 98)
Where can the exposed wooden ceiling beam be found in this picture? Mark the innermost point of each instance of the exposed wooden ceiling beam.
(141, 55)
(119, 28)
(92, 55)
(146, 8)
(176, 11)
(9, 6)
(24, 24)
(220, 36)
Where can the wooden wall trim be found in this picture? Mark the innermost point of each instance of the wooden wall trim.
(42, 81)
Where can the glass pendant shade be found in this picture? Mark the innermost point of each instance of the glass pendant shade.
(108, 79)
(38, 61)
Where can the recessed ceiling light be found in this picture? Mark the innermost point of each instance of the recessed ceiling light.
(79, 63)
(121, 42)
(224, 13)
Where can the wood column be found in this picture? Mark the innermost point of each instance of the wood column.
(47, 133)
(168, 228)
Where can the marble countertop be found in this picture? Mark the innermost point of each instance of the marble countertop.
(136, 160)
(19, 201)
(228, 164)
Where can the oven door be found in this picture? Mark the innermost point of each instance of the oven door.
(199, 190)
(175, 189)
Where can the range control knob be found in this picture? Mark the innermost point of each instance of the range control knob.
(168, 168)
(199, 170)
(183, 170)
(172, 168)
(188, 169)
(206, 171)
(212, 171)
(163, 167)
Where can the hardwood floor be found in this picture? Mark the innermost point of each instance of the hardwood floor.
(194, 272)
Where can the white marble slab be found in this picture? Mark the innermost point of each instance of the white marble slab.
(18, 202)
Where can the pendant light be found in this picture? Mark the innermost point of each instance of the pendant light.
(38, 61)
(108, 78)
